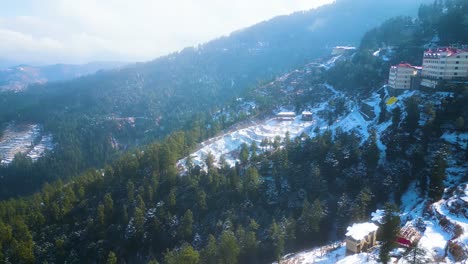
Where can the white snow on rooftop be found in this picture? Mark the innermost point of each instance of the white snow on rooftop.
(345, 47)
(286, 114)
(360, 230)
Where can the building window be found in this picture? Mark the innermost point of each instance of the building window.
(456, 68)
(457, 62)
(458, 56)
(455, 73)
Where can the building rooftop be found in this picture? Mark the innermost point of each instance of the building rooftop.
(286, 114)
(345, 47)
(359, 231)
(437, 52)
(406, 65)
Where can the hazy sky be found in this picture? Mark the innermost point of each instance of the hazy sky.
(78, 31)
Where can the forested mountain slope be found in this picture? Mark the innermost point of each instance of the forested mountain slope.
(93, 118)
(283, 194)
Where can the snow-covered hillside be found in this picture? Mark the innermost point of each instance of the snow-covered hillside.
(27, 139)
(228, 145)
(352, 120)
(445, 222)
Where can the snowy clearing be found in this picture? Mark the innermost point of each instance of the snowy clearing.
(228, 144)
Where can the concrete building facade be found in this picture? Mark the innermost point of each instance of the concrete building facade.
(360, 237)
(444, 64)
(401, 75)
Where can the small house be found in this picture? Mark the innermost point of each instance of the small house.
(360, 237)
(408, 236)
(306, 116)
(286, 116)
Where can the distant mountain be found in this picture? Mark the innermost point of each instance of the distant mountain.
(209, 74)
(17, 78)
(94, 117)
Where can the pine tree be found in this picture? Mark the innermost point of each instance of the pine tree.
(209, 252)
(244, 153)
(101, 214)
(253, 150)
(140, 203)
(278, 240)
(201, 200)
(139, 221)
(209, 161)
(314, 182)
(359, 209)
(437, 177)
(186, 226)
(171, 199)
(343, 212)
(251, 180)
(130, 191)
(111, 258)
(396, 117)
(108, 207)
(228, 250)
(372, 153)
(188, 255)
(389, 231)
(417, 255)
(413, 114)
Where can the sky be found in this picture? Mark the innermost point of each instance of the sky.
(42, 32)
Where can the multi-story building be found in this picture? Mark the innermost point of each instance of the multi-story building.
(401, 75)
(444, 64)
(361, 237)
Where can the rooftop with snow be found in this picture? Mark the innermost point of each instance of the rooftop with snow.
(359, 231)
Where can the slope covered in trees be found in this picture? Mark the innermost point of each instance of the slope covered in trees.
(401, 39)
(299, 193)
(87, 116)
(138, 210)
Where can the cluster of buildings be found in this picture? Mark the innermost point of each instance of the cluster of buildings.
(440, 64)
(361, 237)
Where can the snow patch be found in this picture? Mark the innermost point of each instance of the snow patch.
(455, 138)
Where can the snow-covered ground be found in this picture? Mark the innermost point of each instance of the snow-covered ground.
(24, 139)
(459, 139)
(228, 144)
(330, 254)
